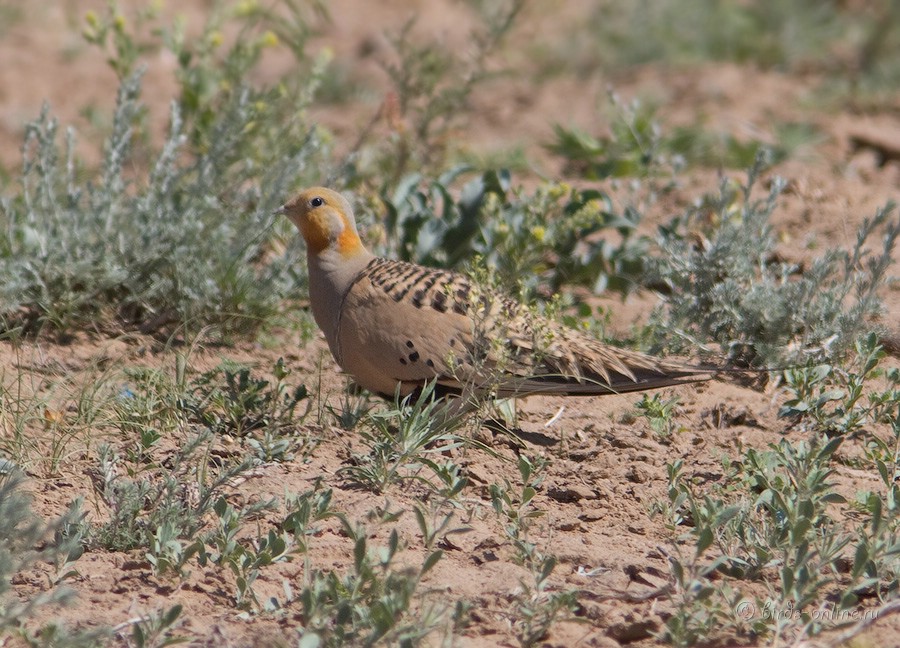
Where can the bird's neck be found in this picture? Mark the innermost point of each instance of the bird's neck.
(339, 263)
(331, 273)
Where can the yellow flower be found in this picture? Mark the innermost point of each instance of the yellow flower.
(119, 22)
(538, 232)
(91, 19)
(559, 190)
(216, 38)
(246, 7)
(269, 39)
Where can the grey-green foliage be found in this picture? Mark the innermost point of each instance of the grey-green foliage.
(401, 440)
(245, 560)
(772, 519)
(231, 400)
(724, 284)
(771, 522)
(516, 510)
(156, 497)
(25, 542)
(153, 503)
(637, 148)
(659, 413)
(634, 148)
(538, 605)
(188, 244)
(377, 602)
(155, 630)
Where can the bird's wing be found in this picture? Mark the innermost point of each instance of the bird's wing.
(403, 323)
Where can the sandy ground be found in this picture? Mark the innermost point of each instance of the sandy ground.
(605, 470)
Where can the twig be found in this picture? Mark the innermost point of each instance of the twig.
(555, 416)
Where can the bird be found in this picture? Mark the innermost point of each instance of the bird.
(396, 326)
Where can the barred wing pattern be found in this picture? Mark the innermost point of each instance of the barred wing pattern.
(407, 324)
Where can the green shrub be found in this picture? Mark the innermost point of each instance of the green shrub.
(637, 147)
(723, 284)
(185, 247)
(772, 524)
(179, 236)
(535, 242)
(25, 542)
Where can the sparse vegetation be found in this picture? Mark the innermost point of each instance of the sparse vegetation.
(399, 442)
(25, 543)
(724, 285)
(164, 417)
(786, 563)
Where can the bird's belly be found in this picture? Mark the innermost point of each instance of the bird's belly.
(369, 373)
(382, 352)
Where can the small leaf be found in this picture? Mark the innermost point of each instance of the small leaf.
(431, 560)
(860, 559)
(704, 540)
(359, 553)
(528, 494)
(173, 613)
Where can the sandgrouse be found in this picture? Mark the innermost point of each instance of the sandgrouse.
(396, 325)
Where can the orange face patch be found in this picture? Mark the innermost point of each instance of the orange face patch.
(317, 230)
(348, 242)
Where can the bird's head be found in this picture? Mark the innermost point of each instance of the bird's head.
(325, 219)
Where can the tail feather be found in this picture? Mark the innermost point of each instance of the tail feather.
(599, 386)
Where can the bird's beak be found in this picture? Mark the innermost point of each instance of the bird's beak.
(279, 212)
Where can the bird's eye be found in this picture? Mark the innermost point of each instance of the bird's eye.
(316, 202)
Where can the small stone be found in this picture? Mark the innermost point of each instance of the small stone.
(631, 629)
(592, 514)
(574, 493)
(638, 474)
